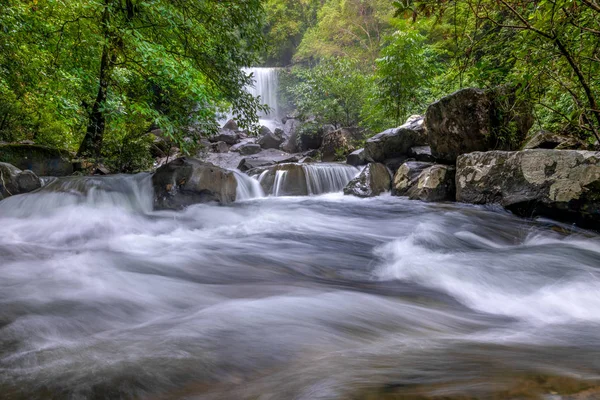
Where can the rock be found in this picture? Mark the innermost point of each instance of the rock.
(372, 181)
(394, 163)
(476, 120)
(266, 158)
(187, 181)
(339, 143)
(13, 181)
(43, 161)
(307, 160)
(249, 149)
(231, 125)
(407, 176)
(435, 183)
(101, 170)
(282, 179)
(219, 147)
(227, 136)
(561, 184)
(264, 130)
(271, 140)
(290, 134)
(396, 142)
(421, 153)
(310, 135)
(549, 140)
(357, 158)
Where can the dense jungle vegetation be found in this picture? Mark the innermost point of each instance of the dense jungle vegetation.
(95, 77)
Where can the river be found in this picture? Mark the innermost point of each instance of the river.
(321, 297)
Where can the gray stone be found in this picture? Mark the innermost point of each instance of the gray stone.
(219, 147)
(290, 134)
(339, 143)
(435, 183)
(407, 176)
(187, 181)
(43, 161)
(474, 120)
(266, 158)
(421, 153)
(227, 136)
(271, 140)
(549, 140)
(249, 149)
(13, 181)
(396, 142)
(374, 180)
(357, 158)
(231, 125)
(562, 184)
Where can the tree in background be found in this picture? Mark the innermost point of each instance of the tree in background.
(548, 49)
(114, 65)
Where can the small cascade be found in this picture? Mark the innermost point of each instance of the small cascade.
(131, 192)
(247, 188)
(305, 179)
(328, 178)
(279, 182)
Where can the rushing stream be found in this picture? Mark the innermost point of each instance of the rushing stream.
(322, 297)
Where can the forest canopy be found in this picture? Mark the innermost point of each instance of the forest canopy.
(95, 77)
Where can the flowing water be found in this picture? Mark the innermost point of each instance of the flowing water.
(321, 297)
(266, 85)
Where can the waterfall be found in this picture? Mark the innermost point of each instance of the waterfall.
(327, 178)
(305, 179)
(130, 192)
(266, 83)
(247, 188)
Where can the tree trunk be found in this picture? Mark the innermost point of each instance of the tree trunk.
(91, 145)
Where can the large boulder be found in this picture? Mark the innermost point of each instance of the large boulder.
(266, 158)
(397, 142)
(476, 120)
(357, 158)
(231, 125)
(227, 136)
(13, 181)
(271, 140)
(219, 147)
(407, 177)
(563, 184)
(435, 183)
(188, 181)
(421, 153)
(290, 131)
(282, 179)
(248, 149)
(374, 180)
(43, 161)
(549, 140)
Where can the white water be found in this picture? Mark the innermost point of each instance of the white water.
(247, 188)
(328, 178)
(318, 297)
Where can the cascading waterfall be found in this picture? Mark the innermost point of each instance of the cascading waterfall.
(247, 188)
(266, 83)
(129, 192)
(279, 181)
(328, 178)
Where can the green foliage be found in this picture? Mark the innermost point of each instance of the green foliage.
(333, 91)
(130, 64)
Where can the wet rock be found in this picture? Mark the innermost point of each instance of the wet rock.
(435, 183)
(231, 125)
(394, 163)
(421, 153)
(264, 130)
(396, 142)
(266, 158)
(374, 180)
(249, 149)
(271, 140)
(219, 147)
(407, 177)
(13, 181)
(549, 140)
(357, 158)
(282, 180)
(561, 184)
(290, 135)
(476, 120)
(43, 161)
(226, 136)
(187, 181)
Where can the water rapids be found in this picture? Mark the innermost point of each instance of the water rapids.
(322, 297)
